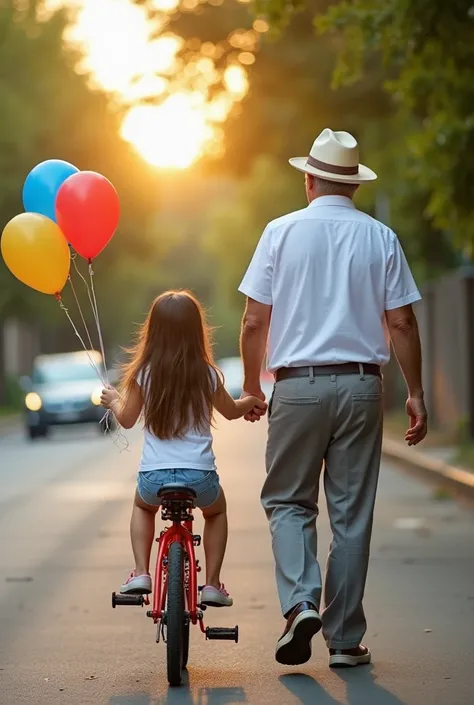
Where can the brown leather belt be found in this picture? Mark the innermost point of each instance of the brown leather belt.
(348, 368)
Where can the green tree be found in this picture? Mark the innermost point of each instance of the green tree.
(427, 50)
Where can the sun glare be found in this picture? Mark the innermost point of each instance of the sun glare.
(170, 135)
(236, 80)
(123, 56)
(165, 5)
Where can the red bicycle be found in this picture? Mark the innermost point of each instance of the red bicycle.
(176, 592)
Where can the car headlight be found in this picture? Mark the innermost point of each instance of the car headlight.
(33, 401)
(95, 396)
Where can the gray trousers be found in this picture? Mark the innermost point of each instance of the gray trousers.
(336, 419)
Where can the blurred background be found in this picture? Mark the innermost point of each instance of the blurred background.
(192, 108)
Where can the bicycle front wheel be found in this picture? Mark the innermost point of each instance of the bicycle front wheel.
(175, 614)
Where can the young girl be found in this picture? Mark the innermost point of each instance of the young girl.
(171, 378)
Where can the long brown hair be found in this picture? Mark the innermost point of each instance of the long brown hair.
(173, 362)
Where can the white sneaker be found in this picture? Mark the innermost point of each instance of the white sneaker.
(349, 657)
(213, 597)
(137, 585)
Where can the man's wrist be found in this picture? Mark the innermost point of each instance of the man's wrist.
(251, 386)
(416, 393)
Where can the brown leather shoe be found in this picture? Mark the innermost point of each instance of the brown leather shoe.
(346, 658)
(294, 645)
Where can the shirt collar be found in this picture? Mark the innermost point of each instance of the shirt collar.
(342, 201)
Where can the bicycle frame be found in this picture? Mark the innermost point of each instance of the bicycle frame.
(168, 609)
(182, 533)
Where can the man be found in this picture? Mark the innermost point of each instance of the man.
(328, 286)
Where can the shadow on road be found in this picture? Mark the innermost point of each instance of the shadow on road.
(361, 689)
(220, 696)
(138, 699)
(308, 690)
(184, 696)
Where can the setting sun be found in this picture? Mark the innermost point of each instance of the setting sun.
(124, 55)
(170, 135)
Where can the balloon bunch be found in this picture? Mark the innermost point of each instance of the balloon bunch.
(63, 205)
(64, 208)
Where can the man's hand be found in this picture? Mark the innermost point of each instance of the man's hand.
(416, 410)
(256, 413)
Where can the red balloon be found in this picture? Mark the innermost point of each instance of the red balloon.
(88, 212)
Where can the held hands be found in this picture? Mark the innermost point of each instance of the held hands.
(259, 407)
(109, 397)
(416, 410)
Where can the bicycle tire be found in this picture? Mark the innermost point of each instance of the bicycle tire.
(175, 614)
(185, 652)
(186, 622)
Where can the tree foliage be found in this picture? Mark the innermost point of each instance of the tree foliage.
(427, 51)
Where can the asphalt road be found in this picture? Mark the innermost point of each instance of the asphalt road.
(64, 512)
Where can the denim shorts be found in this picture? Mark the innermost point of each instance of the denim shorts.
(205, 483)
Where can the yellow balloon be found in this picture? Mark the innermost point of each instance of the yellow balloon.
(36, 252)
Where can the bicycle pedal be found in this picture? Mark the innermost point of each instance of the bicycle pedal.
(129, 600)
(223, 633)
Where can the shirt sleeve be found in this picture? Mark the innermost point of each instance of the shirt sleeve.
(400, 287)
(257, 282)
(215, 379)
(140, 379)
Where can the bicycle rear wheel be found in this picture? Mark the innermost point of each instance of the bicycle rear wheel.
(175, 614)
(185, 652)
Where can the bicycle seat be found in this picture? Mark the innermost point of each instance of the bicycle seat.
(179, 491)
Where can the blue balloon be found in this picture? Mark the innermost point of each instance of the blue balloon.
(42, 185)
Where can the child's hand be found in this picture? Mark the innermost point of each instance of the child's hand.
(258, 408)
(109, 396)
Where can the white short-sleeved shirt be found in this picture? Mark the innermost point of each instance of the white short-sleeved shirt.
(330, 272)
(193, 451)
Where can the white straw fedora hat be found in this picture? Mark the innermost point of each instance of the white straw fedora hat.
(334, 156)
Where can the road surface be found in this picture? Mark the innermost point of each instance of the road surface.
(64, 512)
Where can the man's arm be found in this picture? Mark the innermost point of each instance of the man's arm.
(257, 286)
(405, 337)
(253, 344)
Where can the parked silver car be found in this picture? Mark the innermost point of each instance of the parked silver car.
(63, 389)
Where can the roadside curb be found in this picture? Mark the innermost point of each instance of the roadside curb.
(450, 476)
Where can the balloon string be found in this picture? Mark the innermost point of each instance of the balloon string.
(91, 361)
(80, 312)
(97, 320)
(120, 440)
(95, 311)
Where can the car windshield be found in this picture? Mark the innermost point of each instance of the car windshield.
(64, 372)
